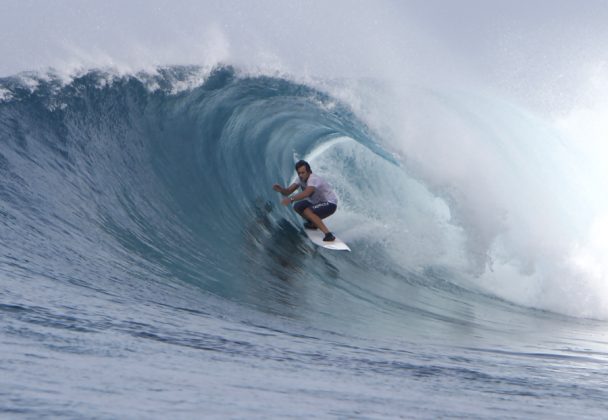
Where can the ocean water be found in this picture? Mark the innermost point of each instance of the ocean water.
(148, 269)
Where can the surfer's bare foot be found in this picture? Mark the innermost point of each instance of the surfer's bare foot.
(329, 237)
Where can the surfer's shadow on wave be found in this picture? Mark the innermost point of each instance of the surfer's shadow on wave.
(279, 248)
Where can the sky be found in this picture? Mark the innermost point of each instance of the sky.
(486, 33)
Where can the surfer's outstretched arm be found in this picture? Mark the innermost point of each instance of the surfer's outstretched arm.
(285, 191)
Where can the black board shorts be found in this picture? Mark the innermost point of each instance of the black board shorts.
(323, 210)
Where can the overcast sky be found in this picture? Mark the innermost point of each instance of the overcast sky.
(38, 33)
(543, 45)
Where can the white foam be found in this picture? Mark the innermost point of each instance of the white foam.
(5, 95)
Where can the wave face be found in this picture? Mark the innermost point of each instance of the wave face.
(125, 193)
(108, 173)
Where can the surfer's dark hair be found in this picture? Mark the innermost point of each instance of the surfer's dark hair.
(301, 163)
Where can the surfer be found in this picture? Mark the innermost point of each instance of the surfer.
(315, 202)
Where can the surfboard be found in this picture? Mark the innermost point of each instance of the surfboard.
(316, 236)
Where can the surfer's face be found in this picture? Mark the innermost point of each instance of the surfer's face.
(303, 173)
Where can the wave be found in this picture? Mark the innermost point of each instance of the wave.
(126, 180)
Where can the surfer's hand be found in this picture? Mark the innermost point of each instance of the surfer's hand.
(286, 201)
(277, 188)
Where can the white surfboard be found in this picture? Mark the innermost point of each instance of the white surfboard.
(316, 236)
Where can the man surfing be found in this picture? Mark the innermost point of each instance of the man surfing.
(315, 202)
